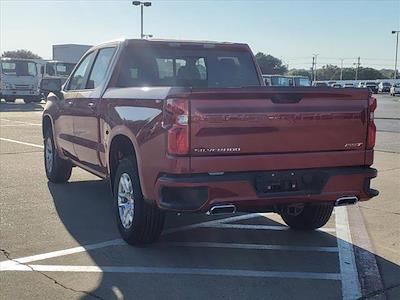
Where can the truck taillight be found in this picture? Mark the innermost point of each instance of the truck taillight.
(176, 120)
(371, 124)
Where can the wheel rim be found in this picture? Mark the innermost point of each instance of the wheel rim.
(49, 155)
(126, 205)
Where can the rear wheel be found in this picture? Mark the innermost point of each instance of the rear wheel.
(58, 170)
(27, 100)
(307, 216)
(138, 221)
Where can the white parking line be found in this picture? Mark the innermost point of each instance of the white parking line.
(9, 264)
(178, 271)
(20, 122)
(349, 276)
(22, 143)
(260, 227)
(251, 246)
(211, 223)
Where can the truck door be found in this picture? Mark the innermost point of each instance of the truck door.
(64, 127)
(86, 113)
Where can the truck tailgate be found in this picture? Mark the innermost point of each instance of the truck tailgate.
(277, 121)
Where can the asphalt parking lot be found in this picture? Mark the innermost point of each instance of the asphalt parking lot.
(61, 241)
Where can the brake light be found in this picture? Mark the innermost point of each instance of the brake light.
(371, 124)
(176, 120)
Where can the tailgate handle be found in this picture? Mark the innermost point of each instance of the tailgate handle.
(286, 98)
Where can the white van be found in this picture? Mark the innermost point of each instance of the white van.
(19, 79)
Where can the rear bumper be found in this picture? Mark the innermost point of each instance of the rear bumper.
(261, 191)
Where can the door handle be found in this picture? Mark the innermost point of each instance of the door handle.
(92, 105)
(70, 103)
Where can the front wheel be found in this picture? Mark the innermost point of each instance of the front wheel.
(138, 221)
(306, 216)
(58, 170)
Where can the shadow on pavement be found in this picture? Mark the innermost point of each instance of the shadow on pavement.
(20, 107)
(86, 210)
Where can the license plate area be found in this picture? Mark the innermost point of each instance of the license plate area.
(290, 182)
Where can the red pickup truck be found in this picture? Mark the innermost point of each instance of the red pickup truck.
(190, 127)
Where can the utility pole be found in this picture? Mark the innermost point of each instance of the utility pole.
(397, 48)
(141, 4)
(341, 68)
(315, 66)
(312, 68)
(358, 66)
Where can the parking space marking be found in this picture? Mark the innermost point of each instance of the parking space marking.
(211, 223)
(20, 122)
(251, 246)
(178, 271)
(22, 143)
(349, 275)
(260, 227)
(9, 264)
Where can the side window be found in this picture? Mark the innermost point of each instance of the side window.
(100, 66)
(77, 81)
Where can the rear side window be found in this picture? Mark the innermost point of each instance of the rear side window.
(100, 66)
(77, 81)
(148, 65)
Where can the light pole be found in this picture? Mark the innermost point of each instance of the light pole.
(341, 68)
(397, 48)
(315, 66)
(141, 4)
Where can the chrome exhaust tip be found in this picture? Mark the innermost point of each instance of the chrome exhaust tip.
(222, 209)
(342, 201)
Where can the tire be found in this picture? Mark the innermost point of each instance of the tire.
(28, 100)
(58, 170)
(311, 216)
(143, 222)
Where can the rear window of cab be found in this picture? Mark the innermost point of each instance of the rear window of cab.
(163, 65)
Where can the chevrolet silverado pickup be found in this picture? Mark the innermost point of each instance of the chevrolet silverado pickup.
(189, 126)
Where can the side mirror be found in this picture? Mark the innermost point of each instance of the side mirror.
(52, 85)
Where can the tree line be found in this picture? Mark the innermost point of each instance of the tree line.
(272, 65)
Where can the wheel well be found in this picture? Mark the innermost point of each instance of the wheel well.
(46, 124)
(121, 147)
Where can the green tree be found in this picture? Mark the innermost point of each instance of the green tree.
(22, 53)
(270, 65)
(387, 73)
(369, 73)
(300, 72)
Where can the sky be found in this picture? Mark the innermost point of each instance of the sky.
(290, 30)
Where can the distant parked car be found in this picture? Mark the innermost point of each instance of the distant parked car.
(278, 80)
(395, 89)
(384, 87)
(301, 81)
(348, 85)
(372, 86)
(336, 85)
(319, 84)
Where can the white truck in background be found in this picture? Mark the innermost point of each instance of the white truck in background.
(69, 53)
(65, 57)
(19, 79)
